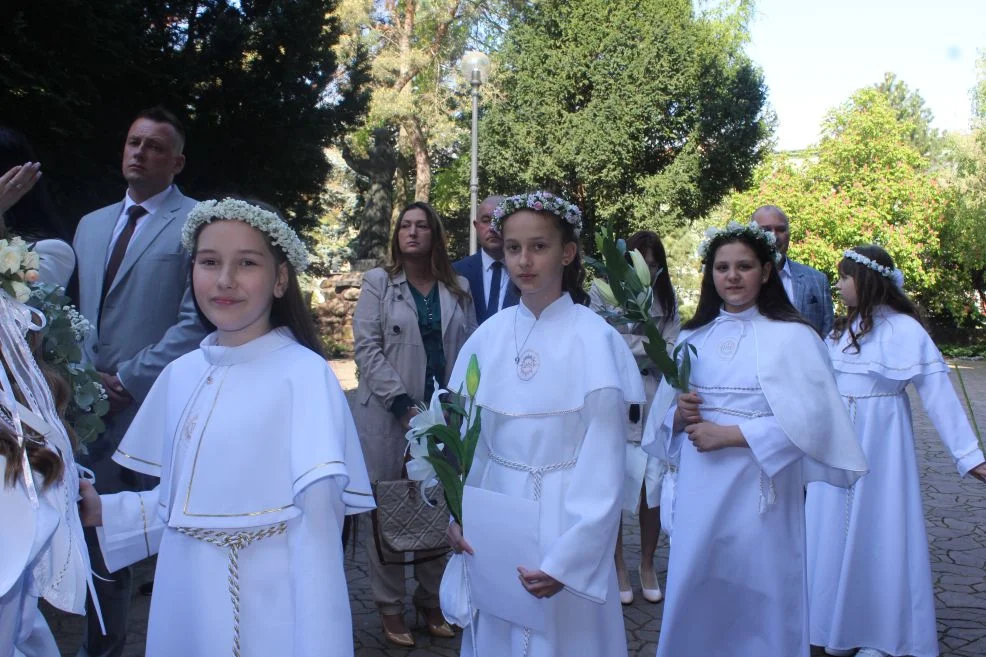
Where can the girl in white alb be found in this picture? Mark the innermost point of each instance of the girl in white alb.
(258, 458)
(869, 574)
(42, 550)
(555, 389)
(762, 418)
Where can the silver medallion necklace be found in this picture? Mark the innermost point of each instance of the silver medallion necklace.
(527, 361)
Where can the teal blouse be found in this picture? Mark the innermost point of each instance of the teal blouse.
(430, 324)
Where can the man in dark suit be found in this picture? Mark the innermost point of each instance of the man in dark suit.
(807, 288)
(133, 285)
(489, 282)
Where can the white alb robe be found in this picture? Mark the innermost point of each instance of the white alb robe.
(42, 550)
(255, 438)
(869, 573)
(736, 573)
(643, 470)
(570, 419)
(26, 535)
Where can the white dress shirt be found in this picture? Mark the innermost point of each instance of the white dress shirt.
(152, 205)
(787, 279)
(488, 261)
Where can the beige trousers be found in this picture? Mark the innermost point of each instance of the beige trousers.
(387, 581)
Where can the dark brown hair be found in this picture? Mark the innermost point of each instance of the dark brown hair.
(648, 240)
(872, 289)
(43, 460)
(772, 301)
(441, 265)
(290, 309)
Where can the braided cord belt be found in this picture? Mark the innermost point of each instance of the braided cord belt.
(537, 473)
(235, 541)
(853, 410)
(767, 493)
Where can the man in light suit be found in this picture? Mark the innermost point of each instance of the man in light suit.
(807, 288)
(134, 287)
(485, 269)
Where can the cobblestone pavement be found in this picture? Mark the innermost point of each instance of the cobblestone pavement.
(955, 512)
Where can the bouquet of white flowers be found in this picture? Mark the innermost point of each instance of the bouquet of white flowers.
(442, 449)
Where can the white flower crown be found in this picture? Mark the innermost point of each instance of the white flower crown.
(267, 222)
(894, 274)
(735, 229)
(539, 202)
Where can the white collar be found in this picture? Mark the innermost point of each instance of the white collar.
(152, 205)
(786, 267)
(225, 356)
(554, 309)
(488, 260)
(750, 313)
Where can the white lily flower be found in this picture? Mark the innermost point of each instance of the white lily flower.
(419, 469)
(428, 416)
(640, 268)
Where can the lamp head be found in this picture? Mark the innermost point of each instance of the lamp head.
(475, 60)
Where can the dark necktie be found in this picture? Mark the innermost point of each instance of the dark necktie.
(493, 302)
(134, 212)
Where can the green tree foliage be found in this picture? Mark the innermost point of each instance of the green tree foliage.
(868, 183)
(964, 238)
(640, 112)
(913, 113)
(415, 47)
(257, 82)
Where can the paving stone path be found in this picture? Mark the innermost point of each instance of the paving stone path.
(955, 513)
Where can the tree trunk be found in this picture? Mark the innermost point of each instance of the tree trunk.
(422, 161)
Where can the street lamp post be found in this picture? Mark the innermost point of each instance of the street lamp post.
(475, 67)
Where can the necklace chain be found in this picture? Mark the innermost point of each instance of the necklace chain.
(517, 349)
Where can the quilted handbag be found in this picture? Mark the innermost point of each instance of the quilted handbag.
(404, 521)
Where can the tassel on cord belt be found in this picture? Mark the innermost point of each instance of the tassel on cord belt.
(537, 473)
(767, 494)
(852, 402)
(235, 541)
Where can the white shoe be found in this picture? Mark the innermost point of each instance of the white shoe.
(871, 652)
(650, 594)
(626, 590)
(839, 653)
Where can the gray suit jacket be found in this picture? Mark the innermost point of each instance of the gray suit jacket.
(147, 319)
(812, 296)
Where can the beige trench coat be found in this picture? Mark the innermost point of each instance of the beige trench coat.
(391, 360)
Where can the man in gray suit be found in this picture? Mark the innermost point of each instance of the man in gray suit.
(134, 287)
(807, 288)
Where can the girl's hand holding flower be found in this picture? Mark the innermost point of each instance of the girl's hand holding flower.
(688, 410)
(456, 540)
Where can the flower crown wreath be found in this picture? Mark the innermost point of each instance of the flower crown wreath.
(736, 229)
(539, 202)
(894, 274)
(267, 222)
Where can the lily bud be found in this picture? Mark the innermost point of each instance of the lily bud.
(605, 291)
(472, 376)
(640, 268)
